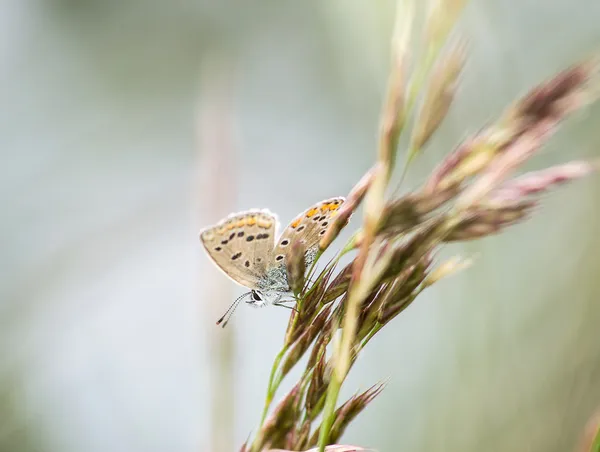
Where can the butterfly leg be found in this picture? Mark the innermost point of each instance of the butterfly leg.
(281, 303)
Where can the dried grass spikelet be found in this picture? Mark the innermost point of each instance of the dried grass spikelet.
(315, 298)
(481, 221)
(537, 182)
(504, 165)
(439, 95)
(441, 17)
(347, 412)
(330, 448)
(393, 115)
(519, 133)
(400, 215)
(296, 266)
(465, 161)
(339, 285)
(555, 98)
(283, 418)
(415, 247)
(349, 206)
(317, 386)
(407, 212)
(404, 290)
(300, 346)
(312, 300)
(515, 200)
(447, 268)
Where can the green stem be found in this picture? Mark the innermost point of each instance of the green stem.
(329, 411)
(596, 442)
(369, 336)
(271, 390)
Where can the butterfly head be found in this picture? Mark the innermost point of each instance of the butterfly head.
(260, 298)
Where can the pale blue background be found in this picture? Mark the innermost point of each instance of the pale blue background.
(105, 312)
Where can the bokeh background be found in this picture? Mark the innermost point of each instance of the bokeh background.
(126, 125)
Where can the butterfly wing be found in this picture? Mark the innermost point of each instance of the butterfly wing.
(242, 245)
(308, 227)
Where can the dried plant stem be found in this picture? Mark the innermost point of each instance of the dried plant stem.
(365, 271)
(217, 151)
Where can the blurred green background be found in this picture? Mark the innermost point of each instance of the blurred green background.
(127, 125)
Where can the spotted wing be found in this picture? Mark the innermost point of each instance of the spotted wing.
(308, 227)
(242, 245)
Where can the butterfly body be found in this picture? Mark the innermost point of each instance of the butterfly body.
(243, 246)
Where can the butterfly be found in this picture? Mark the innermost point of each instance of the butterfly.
(243, 246)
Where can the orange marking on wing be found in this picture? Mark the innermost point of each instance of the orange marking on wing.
(263, 223)
(295, 223)
(240, 223)
(312, 212)
(251, 221)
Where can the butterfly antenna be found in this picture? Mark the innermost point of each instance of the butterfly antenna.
(231, 310)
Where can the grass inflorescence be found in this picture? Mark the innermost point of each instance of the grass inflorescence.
(471, 194)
